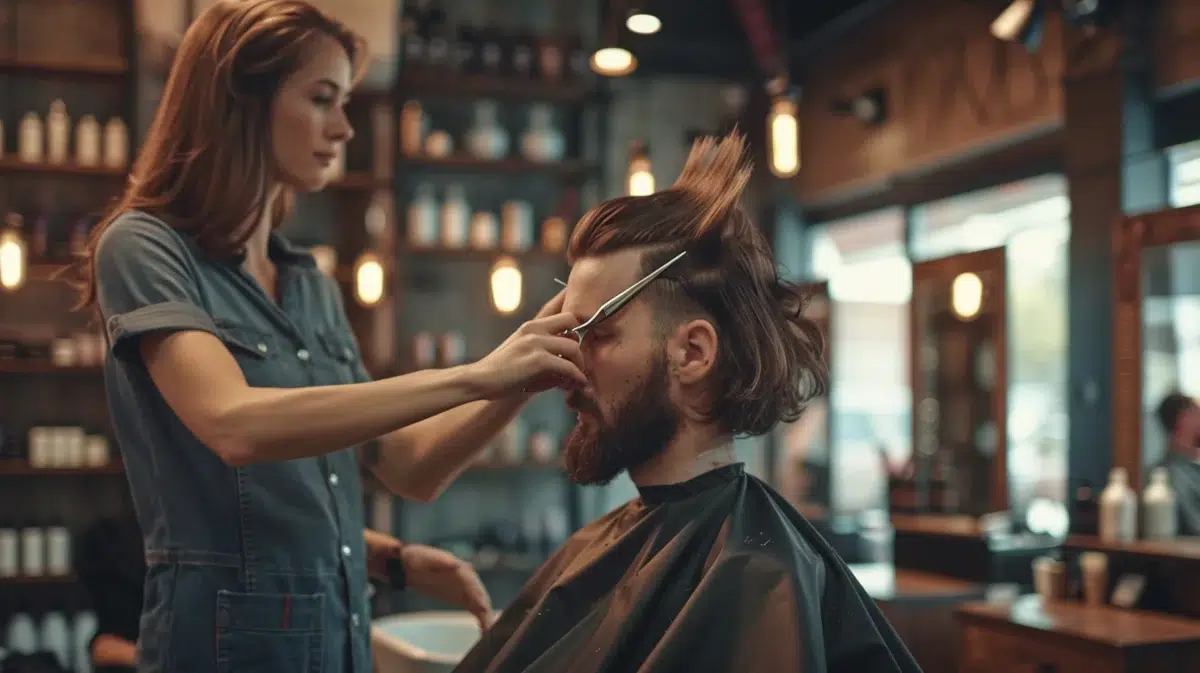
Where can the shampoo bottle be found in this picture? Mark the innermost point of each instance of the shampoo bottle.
(1158, 507)
(1118, 509)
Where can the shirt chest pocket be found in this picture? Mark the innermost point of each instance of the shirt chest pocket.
(337, 358)
(270, 633)
(259, 353)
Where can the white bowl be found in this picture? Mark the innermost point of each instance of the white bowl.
(422, 642)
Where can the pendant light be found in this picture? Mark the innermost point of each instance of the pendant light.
(13, 254)
(612, 59)
(506, 282)
(369, 278)
(783, 130)
(642, 22)
(639, 179)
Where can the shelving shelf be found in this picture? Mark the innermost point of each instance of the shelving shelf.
(568, 168)
(20, 468)
(13, 165)
(43, 367)
(55, 68)
(467, 87)
(41, 580)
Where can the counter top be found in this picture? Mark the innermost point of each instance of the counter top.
(1105, 625)
(886, 583)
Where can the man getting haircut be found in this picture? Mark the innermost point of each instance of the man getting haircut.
(708, 569)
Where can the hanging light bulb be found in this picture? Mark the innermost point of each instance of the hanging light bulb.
(506, 285)
(966, 295)
(642, 22)
(639, 181)
(368, 279)
(613, 61)
(783, 131)
(13, 254)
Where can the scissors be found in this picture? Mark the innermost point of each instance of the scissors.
(613, 305)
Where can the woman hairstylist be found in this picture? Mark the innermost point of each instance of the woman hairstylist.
(236, 389)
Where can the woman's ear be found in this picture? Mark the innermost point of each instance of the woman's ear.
(693, 351)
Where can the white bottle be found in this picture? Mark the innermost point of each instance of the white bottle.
(1160, 520)
(456, 217)
(487, 139)
(30, 143)
(422, 218)
(116, 144)
(541, 141)
(1118, 509)
(87, 141)
(58, 133)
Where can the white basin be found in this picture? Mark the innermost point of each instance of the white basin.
(422, 642)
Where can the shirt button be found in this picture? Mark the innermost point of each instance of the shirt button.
(354, 619)
(333, 480)
(302, 354)
(345, 550)
(262, 348)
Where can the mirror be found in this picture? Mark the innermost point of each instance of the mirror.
(1171, 374)
(959, 389)
(802, 467)
(1157, 355)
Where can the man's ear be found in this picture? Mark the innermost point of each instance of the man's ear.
(692, 351)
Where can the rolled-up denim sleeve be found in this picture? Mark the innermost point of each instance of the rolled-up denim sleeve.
(145, 282)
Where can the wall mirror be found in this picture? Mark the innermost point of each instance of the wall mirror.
(958, 361)
(1157, 354)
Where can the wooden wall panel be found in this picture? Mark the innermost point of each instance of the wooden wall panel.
(1178, 56)
(951, 88)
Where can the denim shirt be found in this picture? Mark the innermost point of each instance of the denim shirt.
(250, 569)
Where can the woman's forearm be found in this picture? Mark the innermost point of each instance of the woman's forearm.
(270, 424)
(421, 460)
(110, 650)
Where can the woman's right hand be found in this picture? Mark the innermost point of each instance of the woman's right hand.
(536, 357)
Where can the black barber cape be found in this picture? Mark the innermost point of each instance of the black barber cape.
(717, 574)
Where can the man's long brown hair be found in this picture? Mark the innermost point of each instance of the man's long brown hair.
(206, 166)
(770, 358)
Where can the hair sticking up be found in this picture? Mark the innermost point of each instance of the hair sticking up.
(771, 358)
(715, 175)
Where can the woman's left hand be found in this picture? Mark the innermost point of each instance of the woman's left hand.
(433, 572)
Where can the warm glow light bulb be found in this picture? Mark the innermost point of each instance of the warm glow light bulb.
(640, 181)
(368, 279)
(643, 23)
(12, 260)
(783, 127)
(966, 295)
(613, 62)
(506, 285)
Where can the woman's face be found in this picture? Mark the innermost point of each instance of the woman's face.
(309, 128)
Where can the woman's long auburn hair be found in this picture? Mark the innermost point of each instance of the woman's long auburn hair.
(206, 166)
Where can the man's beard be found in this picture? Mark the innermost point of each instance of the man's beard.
(597, 451)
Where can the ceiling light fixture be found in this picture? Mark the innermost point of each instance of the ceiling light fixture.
(642, 22)
(613, 62)
(1022, 21)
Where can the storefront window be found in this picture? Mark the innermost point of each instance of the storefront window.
(1184, 161)
(870, 282)
(1030, 218)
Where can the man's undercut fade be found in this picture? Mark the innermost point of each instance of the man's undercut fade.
(770, 358)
